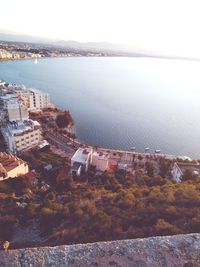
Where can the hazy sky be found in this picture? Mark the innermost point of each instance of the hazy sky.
(168, 26)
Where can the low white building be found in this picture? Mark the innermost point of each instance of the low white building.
(81, 160)
(100, 160)
(21, 135)
(176, 173)
(179, 169)
(11, 166)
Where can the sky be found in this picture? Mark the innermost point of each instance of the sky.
(160, 26)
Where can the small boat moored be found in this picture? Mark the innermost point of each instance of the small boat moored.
(147, 148)
(133, 148)
(157, 151)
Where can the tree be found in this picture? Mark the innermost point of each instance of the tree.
(150, 169)
(189, 175)
(163, 227)
(63, 120)
(164, 167)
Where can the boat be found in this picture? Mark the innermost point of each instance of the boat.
(133, 148)
(36, 61)
(157, 151)
(147, 148)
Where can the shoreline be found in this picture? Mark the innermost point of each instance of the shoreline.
(109, 56)
(78, 143)
(127, 152)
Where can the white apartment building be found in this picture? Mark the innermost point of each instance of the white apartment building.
(12, 109)
(33, 99)
(21, 135)
(27, 98)
(16, 111)
(41, 100)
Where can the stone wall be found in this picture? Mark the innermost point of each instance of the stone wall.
(169, 251)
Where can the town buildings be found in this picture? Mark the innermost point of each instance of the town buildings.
(33, 99)
(12, 55)
(20, 132)
(4, 54)
(11, 166)
(85, 157)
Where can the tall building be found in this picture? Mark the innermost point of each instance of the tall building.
(41, 100)
(21, 135)
(18, 130)
(34, 100)
(12, 109)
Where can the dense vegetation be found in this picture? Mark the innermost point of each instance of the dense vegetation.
(38, 160)
(104, 207)
(64, 119)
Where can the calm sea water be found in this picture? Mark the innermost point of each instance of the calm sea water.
(122, 102)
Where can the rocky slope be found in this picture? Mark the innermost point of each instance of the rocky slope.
(169, 251)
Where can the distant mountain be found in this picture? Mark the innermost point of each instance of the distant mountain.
(14, 37)
(95, 46)
(92, 46)
(122, 49)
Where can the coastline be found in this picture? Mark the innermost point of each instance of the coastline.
(77, 143)
(108, 56)
(89, 141)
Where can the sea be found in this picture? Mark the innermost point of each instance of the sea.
(122, 102)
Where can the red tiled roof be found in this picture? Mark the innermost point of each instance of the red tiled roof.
(9, 162)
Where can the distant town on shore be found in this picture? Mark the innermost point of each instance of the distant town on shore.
(23, 50)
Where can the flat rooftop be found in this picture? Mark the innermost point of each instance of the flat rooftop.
(81, 155)
(19, 127)
(100, 155)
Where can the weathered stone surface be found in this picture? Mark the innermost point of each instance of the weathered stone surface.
(169, 251)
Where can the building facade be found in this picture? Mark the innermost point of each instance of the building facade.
(11, 166)
(100, 161)
(80, 161)
(20, 136)
(12, 109)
